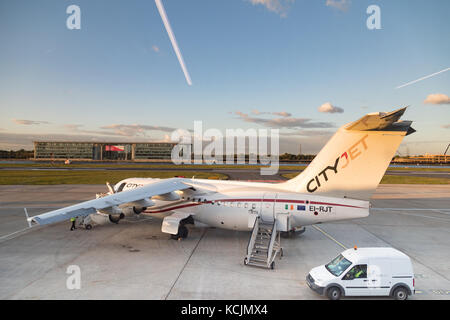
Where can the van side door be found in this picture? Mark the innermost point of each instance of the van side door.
(355, 281)
(380, 276)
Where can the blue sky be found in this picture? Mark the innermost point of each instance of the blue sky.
(119, 74)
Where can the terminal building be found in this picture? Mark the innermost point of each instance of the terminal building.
(102, 151)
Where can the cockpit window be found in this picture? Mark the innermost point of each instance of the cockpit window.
(338, 265)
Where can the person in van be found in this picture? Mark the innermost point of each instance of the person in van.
(357, 272)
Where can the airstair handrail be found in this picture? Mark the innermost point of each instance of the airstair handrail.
(272, 242)
(251, 241)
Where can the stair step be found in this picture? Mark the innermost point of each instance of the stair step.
(262, 265)
(260, 248)
(260, 260)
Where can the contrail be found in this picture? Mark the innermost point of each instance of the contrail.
(426, 77)
(166, 22)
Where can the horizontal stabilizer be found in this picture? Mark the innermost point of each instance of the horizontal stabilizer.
(381, 121)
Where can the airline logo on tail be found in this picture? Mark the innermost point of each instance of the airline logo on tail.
(351, 154)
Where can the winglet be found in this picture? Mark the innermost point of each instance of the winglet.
(28, 218)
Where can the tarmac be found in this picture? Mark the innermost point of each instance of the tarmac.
(135, 260)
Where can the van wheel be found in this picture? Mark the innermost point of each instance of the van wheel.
(334, 293)
(401, 293)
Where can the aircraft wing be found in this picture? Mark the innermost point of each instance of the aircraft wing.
(91, 206)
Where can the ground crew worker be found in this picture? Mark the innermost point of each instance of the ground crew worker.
(358, 274)
(73, 223)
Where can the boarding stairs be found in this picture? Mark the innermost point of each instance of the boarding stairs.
(264, 244)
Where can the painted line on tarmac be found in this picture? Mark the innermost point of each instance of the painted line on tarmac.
(19, 233)
(184, 267)
(441, 211)
(411, 209)
(329, 237)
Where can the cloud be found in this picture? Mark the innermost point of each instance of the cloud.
(282, 114)
(73, 127)
(307, 133)
(132, 130)
(329, 108)
(278, 6)
(437, 98)
(29, 122)
(341, 5)
(284, 122)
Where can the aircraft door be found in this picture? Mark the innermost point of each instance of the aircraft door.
(268, 207)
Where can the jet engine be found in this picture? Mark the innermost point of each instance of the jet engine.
(128, 211)
(115, 218)
(136, 207)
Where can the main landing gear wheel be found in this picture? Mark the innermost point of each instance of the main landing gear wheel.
(245, 261)
(182, 233)
(88, 227)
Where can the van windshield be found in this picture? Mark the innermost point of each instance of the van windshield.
(338, 265)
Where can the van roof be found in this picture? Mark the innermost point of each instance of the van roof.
(383, 252)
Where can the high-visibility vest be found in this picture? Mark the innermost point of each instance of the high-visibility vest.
(72, 219)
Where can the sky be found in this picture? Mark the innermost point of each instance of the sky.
(305, 67)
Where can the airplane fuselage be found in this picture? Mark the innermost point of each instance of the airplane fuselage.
(233, 204)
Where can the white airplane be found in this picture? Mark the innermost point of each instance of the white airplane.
(337, 185)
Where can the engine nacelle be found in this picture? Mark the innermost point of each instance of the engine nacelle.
(136, 207)
(115, 218)
(129, 211)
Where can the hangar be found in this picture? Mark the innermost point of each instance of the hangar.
(100, 151)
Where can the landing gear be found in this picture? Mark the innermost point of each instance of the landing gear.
(182, 230)
(88, 227)
(293, 233)
(182, 233)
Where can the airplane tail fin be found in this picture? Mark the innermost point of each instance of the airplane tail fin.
(353, 162)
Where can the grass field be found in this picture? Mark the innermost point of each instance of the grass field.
(180, 167)
(22, 177)
(392, 179)
(133, 165)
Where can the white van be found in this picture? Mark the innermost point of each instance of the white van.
(365, 272)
